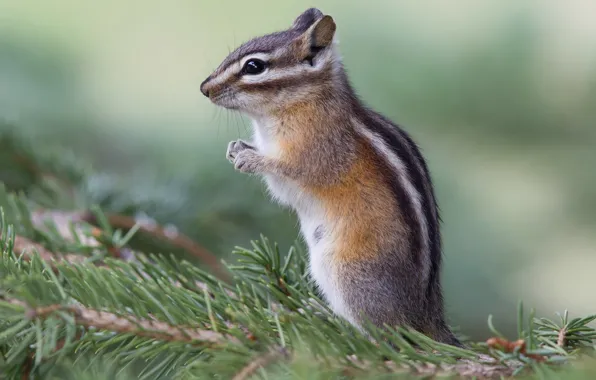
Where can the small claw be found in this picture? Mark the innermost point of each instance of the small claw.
(248, 161)
(244, 145)
(231, 151)
(235, 147)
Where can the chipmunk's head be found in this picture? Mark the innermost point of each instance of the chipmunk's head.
(277, 70)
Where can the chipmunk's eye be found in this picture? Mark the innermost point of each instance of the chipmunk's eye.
(254, 66)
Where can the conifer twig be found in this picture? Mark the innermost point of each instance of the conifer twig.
(29, 362)
(561, 337)
(509, 347)
(22, 245)
(61, 219)
(179, 240)
(128, 324)
(27, 367)
(261, 362)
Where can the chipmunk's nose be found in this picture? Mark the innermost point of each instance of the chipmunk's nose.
(204, 87)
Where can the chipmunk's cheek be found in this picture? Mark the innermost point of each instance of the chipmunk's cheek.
(244, 100)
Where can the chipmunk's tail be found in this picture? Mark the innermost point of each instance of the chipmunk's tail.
(452, 340)
(443, 334)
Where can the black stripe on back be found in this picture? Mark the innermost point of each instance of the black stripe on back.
(410, 155)
(430, 205)
(404, 200)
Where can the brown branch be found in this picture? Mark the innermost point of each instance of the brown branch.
(27, 368)
(561, 339)
(261, 362)
(142, 327)
(22, 245)
(468, 369)
(129, 324)
(63, 219)
(484, 367)
(509, 347)
(178, 240)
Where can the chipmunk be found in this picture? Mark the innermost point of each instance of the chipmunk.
(357, 182)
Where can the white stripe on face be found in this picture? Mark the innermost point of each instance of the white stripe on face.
(273, 73)
(225, 75)
(236, 67)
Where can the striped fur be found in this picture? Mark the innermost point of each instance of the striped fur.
(358, 183)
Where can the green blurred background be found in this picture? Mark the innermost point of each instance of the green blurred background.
(501, 96)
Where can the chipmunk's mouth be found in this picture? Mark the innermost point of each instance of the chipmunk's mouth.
(225, 99)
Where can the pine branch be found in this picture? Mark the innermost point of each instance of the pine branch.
(510, 347)
(64, 222)
(178, 319)
(24, 246)
(273, 355)
(126, 323)
(177, 239)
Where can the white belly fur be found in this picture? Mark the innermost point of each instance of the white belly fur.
(321, 265)
(311, 215)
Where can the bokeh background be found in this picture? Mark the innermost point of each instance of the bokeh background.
(501, 96)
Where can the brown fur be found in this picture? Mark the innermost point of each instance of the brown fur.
(365, 207)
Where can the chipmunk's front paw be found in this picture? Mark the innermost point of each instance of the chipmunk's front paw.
(249, 161)
(235, 147)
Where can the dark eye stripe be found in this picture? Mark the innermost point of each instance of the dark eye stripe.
(293, 81)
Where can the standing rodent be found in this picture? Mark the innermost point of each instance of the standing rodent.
(358, 183)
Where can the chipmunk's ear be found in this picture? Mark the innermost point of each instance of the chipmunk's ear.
(307, 19)
(322, 32)
(316, 33)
